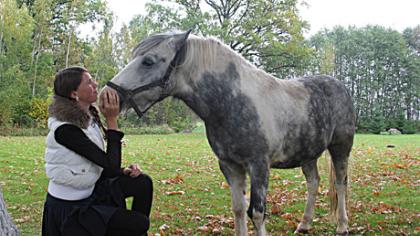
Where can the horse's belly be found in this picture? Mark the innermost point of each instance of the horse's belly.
(290, 157)
(285, 165)
(282, 161)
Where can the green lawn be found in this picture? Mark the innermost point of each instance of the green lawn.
(385, 186)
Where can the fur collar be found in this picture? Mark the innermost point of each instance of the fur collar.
(67, 110)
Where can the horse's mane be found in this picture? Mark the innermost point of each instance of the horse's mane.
(150, 42)
(202, 52)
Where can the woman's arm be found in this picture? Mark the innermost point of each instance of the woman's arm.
(73, 138)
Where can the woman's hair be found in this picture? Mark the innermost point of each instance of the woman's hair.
(95, 114)
(68, 80)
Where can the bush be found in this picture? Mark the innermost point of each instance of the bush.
(162, 129)
(362, 126)
(15, 131)
(39, 111)
(409, 127)
(200, 127)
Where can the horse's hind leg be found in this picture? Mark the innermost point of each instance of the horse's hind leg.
(259, 172)
(340, 155)
(236, 177)
(310, 170)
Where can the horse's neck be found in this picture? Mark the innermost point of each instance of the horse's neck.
(217, 92)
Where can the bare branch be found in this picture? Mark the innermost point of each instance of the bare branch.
(216, 8)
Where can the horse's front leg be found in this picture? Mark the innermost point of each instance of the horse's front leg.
(310, 170)
(259, 172)
(236, 177)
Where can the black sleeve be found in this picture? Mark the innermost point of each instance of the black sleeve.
(73, 138)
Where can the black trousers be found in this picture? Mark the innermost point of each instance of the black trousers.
(135, 221)
(95, 216)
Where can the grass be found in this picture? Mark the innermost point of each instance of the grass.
(385, 185)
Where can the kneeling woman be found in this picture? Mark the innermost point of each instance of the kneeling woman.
(87, 186)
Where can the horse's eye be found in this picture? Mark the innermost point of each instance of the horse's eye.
(147, 61)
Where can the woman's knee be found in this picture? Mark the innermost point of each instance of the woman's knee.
(130, 221)
(146, 179)
(143, 182)
(142, 226)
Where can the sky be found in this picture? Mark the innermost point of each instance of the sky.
(396, 14)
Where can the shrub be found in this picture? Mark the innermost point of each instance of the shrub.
(39, 111)
(409, 127)
(162, 129)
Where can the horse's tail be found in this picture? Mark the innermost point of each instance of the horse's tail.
(332, 192)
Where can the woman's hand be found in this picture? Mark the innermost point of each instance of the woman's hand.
(132, 170)
(109, 105)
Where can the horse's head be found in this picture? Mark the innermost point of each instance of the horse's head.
(146, 79)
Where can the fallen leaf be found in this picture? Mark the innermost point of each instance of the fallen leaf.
(23, 219)
(276, 209)
(203, 229)
(287, 216)
(179, 179)
(216, 231)
(224, 185)
(164, 227)
(175, 193)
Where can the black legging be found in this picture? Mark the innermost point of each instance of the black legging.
(135, 221)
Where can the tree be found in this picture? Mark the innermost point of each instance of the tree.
(16, 27)
(376, 123)
(7, 227)
(42, 60)
(378, 65)
(266, 32)
(102, 59)
(67, 17)
(412, 73)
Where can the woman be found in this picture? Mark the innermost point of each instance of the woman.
(87, 186)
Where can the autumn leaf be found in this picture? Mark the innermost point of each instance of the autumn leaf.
(287, 216)
(216, 231)
(175, 193)
(23, 219)
(276, 209)
(384, 208)
(163, 228)
(179, 179)
(224, 185)
(203, 228)
(398, 166)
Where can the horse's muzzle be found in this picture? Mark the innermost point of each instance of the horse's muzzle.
(120, 98)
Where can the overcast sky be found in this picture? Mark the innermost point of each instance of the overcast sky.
(397, 14)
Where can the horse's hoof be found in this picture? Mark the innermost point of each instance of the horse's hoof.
(301, 231)
(302, 228)
(345, 233)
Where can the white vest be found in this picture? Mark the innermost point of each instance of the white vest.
(72, 177)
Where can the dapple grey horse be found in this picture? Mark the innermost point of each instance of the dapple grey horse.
(253, 121)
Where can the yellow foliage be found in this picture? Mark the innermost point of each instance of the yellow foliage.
(39, 111)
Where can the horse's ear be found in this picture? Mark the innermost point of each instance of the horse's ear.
(186, 34)
(179, 40)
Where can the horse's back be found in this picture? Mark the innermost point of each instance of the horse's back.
(338, 102)
(330, 98)
(325, 115)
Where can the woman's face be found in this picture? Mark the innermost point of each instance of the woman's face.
(87, 90)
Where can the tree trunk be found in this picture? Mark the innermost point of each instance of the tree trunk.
(7, 228)
(35, 54)
(68, 47)
(1, 41)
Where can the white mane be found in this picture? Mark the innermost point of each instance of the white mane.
(208, 52)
